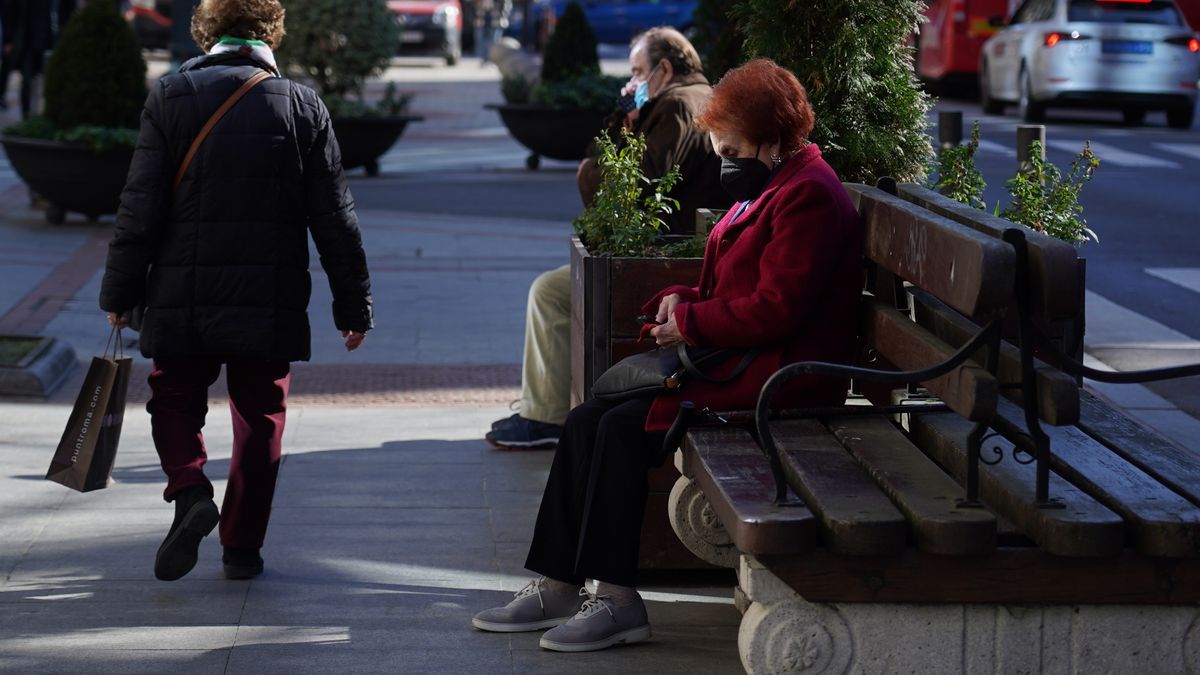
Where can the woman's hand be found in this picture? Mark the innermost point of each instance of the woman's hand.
(353, 339)
(118, 320)
(666, 308)
(667, 335)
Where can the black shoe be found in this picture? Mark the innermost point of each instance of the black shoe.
(195, 516)
(242, 563)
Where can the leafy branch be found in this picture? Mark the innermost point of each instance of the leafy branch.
(625, 218)
(1045, 201)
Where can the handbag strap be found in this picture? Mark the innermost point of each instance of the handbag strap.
(692, 370)
(212, 122)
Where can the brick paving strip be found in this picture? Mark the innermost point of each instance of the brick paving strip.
(312, 383)
(40, 305)
(362, 385)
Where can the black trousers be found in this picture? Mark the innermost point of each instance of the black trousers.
(590, 521)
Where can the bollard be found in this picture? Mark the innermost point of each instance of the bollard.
(950, 128)
(1026, 135)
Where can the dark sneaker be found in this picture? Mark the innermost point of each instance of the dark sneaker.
(535, 607)
(242, 563)
(195, 516)
(512, 419)
(599, 624)
(525, 434)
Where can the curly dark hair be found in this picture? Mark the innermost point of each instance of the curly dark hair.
(246, 19)
(764, 103)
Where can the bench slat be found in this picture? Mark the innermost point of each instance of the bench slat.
(968, 270)
(735, 476)
(1170, 465)
(1053, 271)
(1162, 522)
(1084, 528)
(924, 493)
(969, 390)
(856, 518)
(1058, 394)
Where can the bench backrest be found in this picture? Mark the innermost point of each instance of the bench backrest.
(1056, 297)
(1054, 280)
(967, 270)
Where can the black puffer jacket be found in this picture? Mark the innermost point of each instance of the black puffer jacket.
(227, 252)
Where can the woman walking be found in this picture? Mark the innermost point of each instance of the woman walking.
(212, 240)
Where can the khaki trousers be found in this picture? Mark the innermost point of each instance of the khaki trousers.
(546, 372)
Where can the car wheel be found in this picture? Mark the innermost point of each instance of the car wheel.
(1133, 117)
(1031, 110)
(991, 106)
(1181, 117)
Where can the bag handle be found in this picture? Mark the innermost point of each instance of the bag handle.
(692, 370)
(212, 122)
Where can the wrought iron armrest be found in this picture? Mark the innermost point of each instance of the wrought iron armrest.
(766, 440)
(1073, 367)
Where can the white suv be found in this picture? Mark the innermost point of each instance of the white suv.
(1130, 55)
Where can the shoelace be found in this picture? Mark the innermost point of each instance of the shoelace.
(593, 604)
(532, 587)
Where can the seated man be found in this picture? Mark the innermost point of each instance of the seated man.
(669, 90)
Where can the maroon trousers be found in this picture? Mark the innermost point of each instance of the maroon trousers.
(258, 400)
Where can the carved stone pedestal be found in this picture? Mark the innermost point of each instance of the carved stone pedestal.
(782, 632)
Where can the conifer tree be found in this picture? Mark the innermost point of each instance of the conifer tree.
(852, 58)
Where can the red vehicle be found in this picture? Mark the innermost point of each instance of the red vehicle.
(947, 46)
(1191, 12)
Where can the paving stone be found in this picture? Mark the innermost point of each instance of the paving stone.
(115, 662)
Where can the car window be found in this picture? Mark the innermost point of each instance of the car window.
(1034, 10)
(1124, 11)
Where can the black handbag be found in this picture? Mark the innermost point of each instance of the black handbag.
(662, 371)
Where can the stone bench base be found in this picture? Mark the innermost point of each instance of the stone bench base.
(781, 632)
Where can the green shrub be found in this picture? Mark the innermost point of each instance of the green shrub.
(957, 175)
(96, 75)
(338, 44)
(591, 92)
(1045, 201)
(393, 104)
(571, 51)
(716, 37)
(516, 89)
(852, 58)
(625, 218)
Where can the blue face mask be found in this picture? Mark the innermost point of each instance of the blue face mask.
(641, 96)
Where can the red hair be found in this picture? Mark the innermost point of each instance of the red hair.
(761, 102)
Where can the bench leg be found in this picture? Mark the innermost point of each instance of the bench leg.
(781, 632)
(697, 526)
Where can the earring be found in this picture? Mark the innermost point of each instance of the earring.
(776, 158)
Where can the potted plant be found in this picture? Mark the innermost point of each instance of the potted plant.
(558, 116)
(77, 155)
(336, 45)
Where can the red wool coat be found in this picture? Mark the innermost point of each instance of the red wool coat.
(785, 276)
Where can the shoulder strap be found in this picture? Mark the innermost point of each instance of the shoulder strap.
(212, 122)
(692, 370)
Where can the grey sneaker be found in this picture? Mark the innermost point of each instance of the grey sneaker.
(534, 608)
(599, 624)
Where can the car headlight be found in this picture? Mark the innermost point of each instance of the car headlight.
(445, 15)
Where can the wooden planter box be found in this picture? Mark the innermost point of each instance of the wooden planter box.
(606, 299)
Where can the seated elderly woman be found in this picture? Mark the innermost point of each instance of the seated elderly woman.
(781, 274)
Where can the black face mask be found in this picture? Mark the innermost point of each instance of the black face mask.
(744, 177)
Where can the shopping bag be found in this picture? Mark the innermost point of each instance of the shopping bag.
(87, 451)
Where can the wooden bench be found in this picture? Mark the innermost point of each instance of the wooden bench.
(919, 513)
